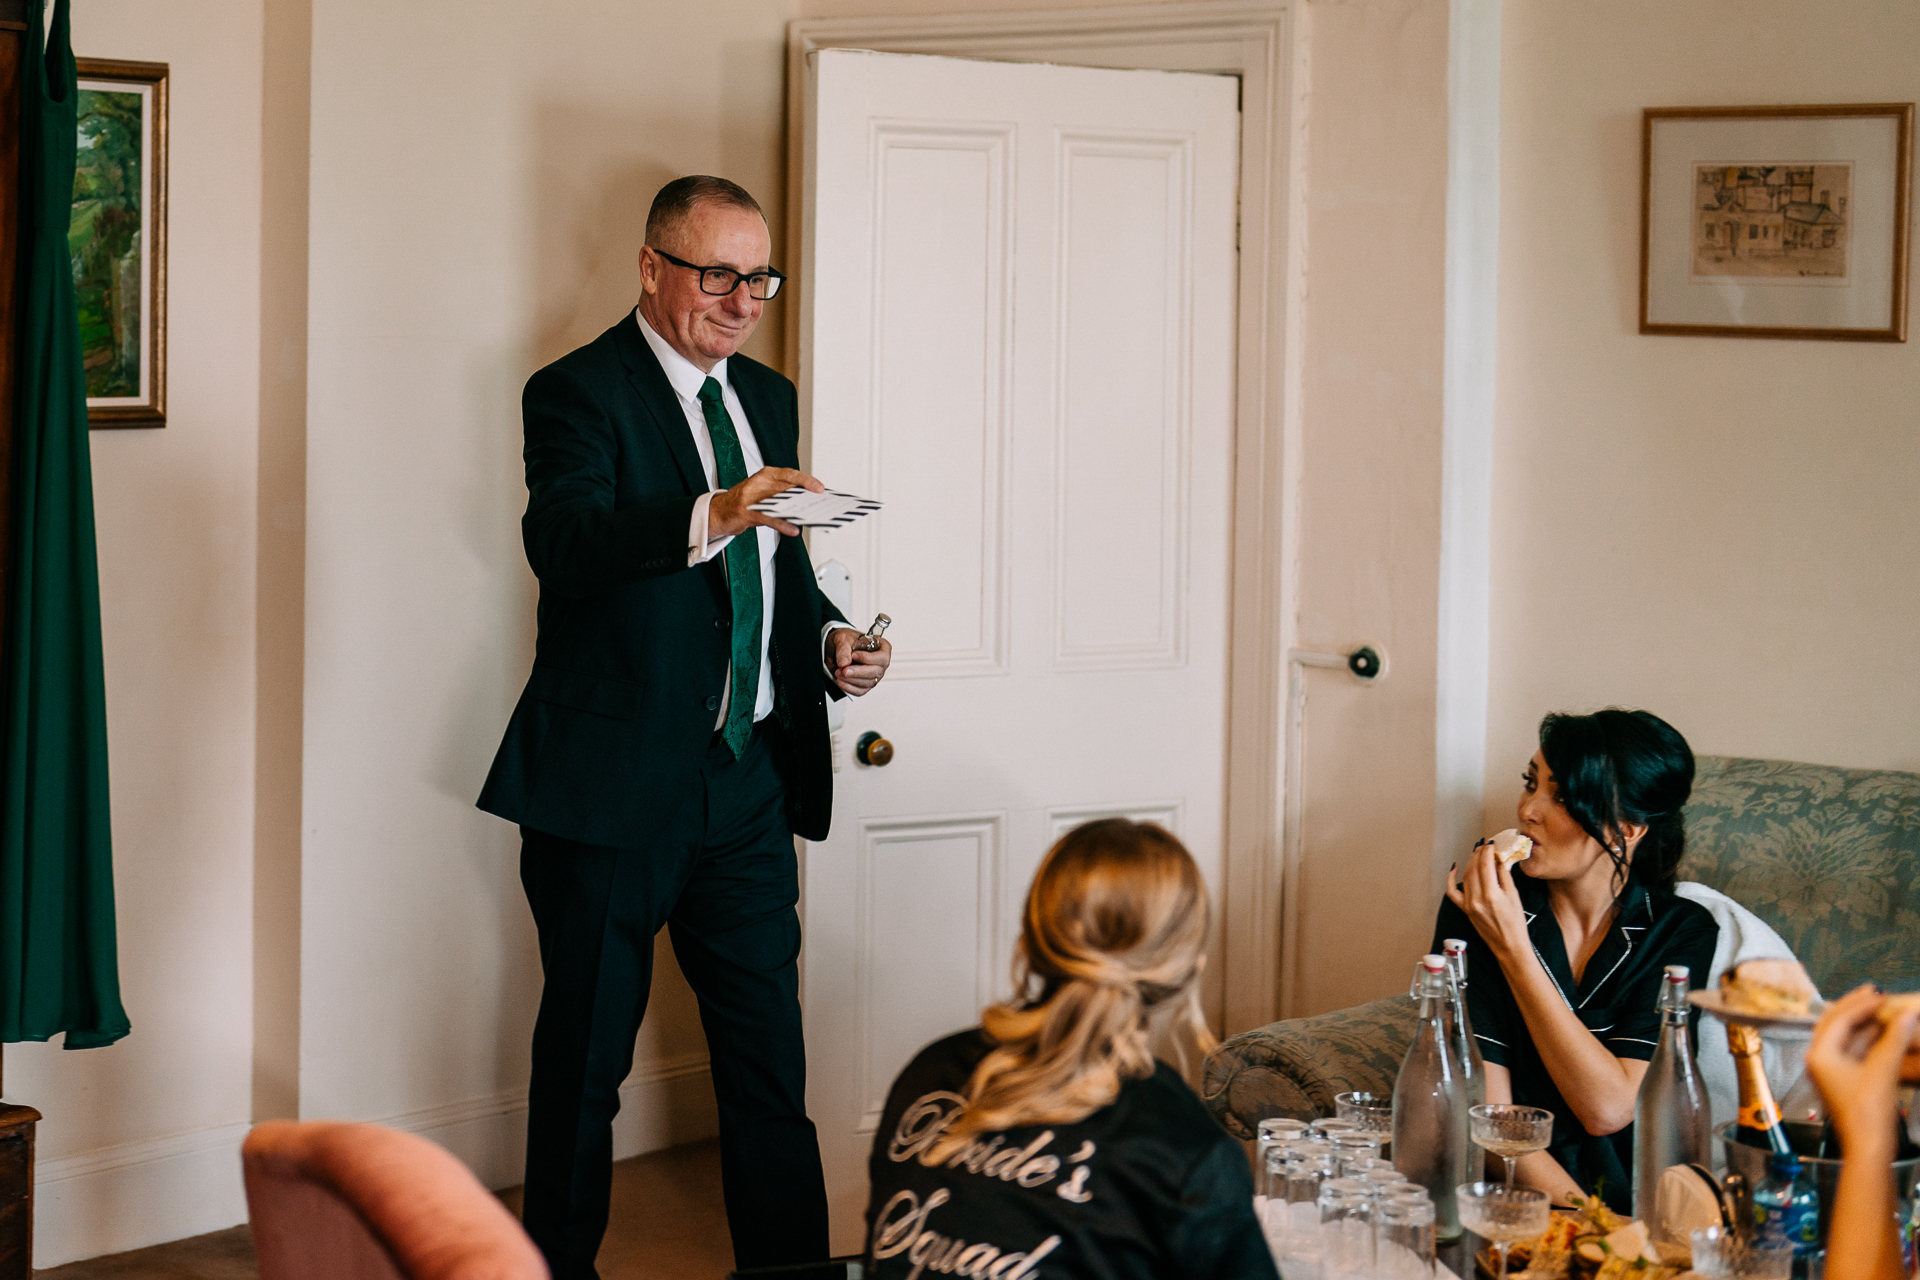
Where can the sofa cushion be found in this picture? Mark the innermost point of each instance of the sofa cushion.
(1826, 856)
(1294, 1068)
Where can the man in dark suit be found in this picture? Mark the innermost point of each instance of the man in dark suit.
(672, 739)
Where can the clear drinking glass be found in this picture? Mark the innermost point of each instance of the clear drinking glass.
(1510, 1131)
(1346, 1228)
(1502, 1214)
(1383, 1182)
(1274, 1218)
(1373, 1112)
(1403, 1243)
(1718, 1254)
(1325, 1128)
(1309, 1165)
(1278, 1131)
(1306, 1170)
(1273, 1175)
(1354, 1146)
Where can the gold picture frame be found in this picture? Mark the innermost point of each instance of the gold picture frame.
(1776, 222)
(119, 240)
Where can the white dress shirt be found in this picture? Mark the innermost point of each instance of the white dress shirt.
(686, 379)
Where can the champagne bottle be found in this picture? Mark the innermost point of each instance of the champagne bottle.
(1430, 1137)
(1672, 1121)
(1466, 1045)
(1759, 1119)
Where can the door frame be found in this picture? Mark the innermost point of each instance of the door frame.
(1262, 43)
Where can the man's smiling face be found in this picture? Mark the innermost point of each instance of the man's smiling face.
(701, 327)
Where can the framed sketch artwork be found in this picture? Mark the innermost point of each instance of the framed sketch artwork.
(1776, 222)
(118, 240)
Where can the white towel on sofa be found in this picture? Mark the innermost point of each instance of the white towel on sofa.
(1743, 936)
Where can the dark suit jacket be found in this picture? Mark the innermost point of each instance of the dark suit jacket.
(633, 644)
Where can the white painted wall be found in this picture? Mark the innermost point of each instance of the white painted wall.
(1370, 514)
(480, 180)
(1719, 530)
(138, 1141)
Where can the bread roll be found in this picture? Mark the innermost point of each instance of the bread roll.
(1893, 1006)
(1771, 988)
(1511, 847)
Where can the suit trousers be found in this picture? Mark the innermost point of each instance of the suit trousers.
(722, 877)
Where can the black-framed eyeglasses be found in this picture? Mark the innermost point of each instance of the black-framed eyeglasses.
(721, 281)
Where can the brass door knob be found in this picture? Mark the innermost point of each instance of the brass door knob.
(872, 749)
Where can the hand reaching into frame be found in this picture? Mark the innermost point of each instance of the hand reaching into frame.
(1860, 1064)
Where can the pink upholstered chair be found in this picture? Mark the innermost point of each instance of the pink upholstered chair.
(358, 1202)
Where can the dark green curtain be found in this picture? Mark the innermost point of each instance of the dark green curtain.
(58, 965)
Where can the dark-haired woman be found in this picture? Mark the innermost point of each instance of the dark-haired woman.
(1568, 948)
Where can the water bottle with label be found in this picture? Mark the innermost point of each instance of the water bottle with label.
(1788, 1208)
(1430, 1137)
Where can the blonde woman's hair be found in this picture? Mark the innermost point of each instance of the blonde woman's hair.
(1114, 931)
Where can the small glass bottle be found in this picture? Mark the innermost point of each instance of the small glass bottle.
(1906, 1217)
(1788, 1208)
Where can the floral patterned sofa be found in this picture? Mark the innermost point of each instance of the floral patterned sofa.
(1829, 857)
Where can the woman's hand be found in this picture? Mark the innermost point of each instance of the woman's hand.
(1862, 1097)
(1862, 1091)
(1486, 893)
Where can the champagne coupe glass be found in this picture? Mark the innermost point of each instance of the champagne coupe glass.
(1510, 1131)
(1502, 1214)
(1373, 1112)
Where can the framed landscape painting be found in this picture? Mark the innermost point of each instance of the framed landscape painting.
(118, 239)
(1776, 222)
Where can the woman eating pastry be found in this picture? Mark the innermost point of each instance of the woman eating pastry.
(1569, 942)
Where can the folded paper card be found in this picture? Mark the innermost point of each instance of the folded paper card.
(808, 509)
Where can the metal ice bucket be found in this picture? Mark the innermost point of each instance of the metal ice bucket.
(1751, 1164)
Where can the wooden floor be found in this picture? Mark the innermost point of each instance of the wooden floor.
(668, 1224)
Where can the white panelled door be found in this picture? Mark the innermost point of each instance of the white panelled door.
(1018, 333)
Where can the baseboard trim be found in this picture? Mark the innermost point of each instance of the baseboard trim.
(138, 1193)
(133, 1154)
(135, 1194)
(663, 1104)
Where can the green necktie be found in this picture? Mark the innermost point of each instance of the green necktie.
(743, 576)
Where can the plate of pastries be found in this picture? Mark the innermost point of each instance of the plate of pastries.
(1591, 1242)
(1763, 993)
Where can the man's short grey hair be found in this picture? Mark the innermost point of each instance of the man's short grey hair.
(678, 198)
